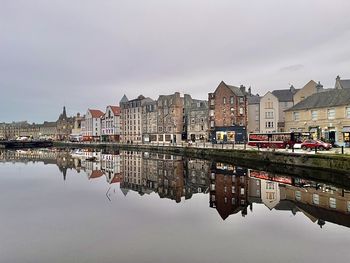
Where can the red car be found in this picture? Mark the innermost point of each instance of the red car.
(320, 145)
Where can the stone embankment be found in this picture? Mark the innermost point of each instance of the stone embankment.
(291, 162)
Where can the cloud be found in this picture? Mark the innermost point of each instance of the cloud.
(89, 53)
(295, 67)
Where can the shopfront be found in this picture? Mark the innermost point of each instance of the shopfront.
(314, 132)
(329, 134)
(234, 134)
(346, 135)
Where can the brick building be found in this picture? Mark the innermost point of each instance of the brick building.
(228, 116)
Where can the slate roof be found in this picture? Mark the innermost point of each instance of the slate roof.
(284, 95)
(235, 90)
(124, 99)
(254, 99)
(345, 83)
(328, 98)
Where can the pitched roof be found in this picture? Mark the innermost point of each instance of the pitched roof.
(95, 174)
(115, 109)
(345, 83)
(116, 179)
(284, 94)
(253, 99)
(96, 113)
(124, 99)
(327, 98)
(237, 91)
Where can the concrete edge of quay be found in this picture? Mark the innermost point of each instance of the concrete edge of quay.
(337, 164)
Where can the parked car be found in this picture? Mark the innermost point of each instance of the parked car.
(312, 144)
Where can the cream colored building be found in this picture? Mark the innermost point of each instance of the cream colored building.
(326, 115)
(310, 88)
(274, 104)
(131, 119)
(269, 113)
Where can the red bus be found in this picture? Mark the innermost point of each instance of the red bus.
(277, 139)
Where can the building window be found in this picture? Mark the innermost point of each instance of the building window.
(269, 124)
(269, 115)
(314, 115)
(331, 114)
(233, 201)
(332, 202)
(211, 113)
(268, 105)
(212, 124)
(224, 100)
(316, 199)
(242, 191)
(297, 195)
(348, 206)
(347, 112)
(231, 99)
(296, 115)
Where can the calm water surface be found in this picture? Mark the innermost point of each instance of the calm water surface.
(142, 207)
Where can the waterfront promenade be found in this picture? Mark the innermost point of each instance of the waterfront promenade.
(208, 145)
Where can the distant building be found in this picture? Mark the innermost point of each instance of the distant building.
(48, 130)
(110, 124)
(64, 126)
(77, 129)
(326, 115)
(195, 119)
(253, 124)
(272, 106)
(150, 121)
(91, 126)
(131, 119)
(228, 119)
(170, 118)
(342, 83)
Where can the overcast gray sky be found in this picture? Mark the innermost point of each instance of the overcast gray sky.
(88, 53)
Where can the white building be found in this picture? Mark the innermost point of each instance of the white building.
(272, 107)
(110, 124)
(91, 126)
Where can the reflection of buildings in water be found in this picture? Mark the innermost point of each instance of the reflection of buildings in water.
(270, 193)
(110, 165)
(196, 174)
(317, 201)
(321, 202)
(131, 166)
(173, 177)
(62, 159)
(228, 189)
(171, 181)
(168, 175)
